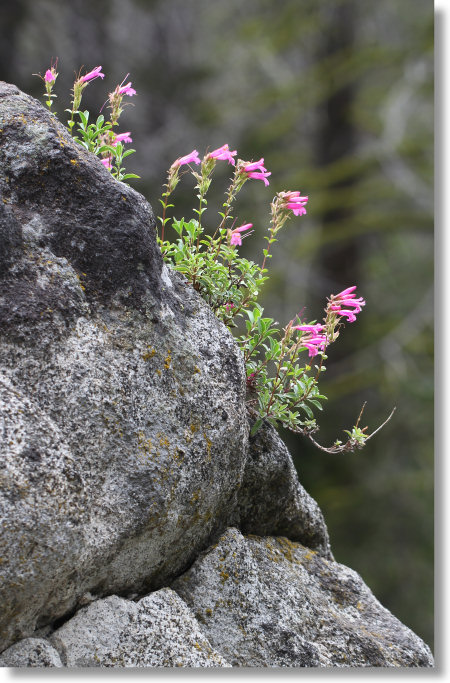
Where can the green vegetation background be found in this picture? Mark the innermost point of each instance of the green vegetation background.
(337, 96)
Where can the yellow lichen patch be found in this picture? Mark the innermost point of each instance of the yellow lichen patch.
(145, 446)
(208, 612)
(168, 360)
(195, 496)
(208, 446)
(149, 354)
(287, 548)
(178, 455)
(224, 576)
(74, 162)
(158, 372)
(207, 516)
(163, 440)
(197, 370)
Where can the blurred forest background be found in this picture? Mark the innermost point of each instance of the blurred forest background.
(337, 96)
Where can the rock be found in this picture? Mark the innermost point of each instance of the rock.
(125, 452)
(271, 602)
(158, 630)
(271, 500)
(123, 427)
(68, 203)
(36, 652)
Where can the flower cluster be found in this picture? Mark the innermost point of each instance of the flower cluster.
(346, 304)
(256, 170)
(223, 154)
(313, 338)
(97, 137)
(295, 202)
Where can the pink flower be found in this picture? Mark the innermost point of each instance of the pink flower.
(255, 166)
(350, 315)
(49, 76)
(312, 339)
(295, 202)
(126, 90)
(106, 162)
(236, 237)
(229, 306)
(346, 304)
(347, 291)
(223, 154)
(315, 329)
(188, 159)
(257, 170)
(95, 73)
(122, 137)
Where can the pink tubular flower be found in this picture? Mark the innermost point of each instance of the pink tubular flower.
(312, 339)
(223, 154)
(95, 73)
(188, 159)
(49, 76)
(315, 329)
(257, 170)
(122, 137)
(295, 202)
(346, 304)
(235, 235)
(127, 90)
(106, 162)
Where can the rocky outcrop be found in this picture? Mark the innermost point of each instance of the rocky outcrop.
(32, 652)
(272, 501)
(123, 430)
(264, 601)
(123, 422)
(158, 630)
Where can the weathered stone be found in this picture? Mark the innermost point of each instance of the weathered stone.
(123, 428)
(124, 450)
(35, 652)
(271, 602)
(67, 202)
(159, 630)
(272, 501)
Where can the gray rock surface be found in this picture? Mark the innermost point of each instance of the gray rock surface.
(271, 602)
(271, 500)
(123, 428)
(158, 631)
(30, 652)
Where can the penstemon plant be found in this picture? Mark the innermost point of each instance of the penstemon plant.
(282, 382)
(96, 136)
(283, 366)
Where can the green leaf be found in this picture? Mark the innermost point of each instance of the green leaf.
(256, 426)
(130, 175)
